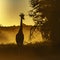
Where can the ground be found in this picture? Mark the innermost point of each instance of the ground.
(13, 52)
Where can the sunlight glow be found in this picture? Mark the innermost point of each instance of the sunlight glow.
(10, 10)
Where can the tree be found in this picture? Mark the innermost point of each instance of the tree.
(49, 9)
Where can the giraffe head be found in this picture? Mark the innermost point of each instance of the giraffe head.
(22, 15)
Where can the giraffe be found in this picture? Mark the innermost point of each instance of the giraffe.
(20, 35)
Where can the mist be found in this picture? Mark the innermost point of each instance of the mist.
(8, 35)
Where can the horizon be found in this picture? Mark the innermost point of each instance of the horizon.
(15, 25)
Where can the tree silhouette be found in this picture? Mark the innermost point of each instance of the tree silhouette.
(49, 9)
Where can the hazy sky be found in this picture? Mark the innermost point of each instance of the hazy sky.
(10, 10)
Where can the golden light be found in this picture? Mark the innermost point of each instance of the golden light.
(9, 16)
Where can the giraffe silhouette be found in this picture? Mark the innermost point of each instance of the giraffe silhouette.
(20, 35)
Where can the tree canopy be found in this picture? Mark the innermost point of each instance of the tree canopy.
(51, 10)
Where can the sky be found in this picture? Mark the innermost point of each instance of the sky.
(10, 10)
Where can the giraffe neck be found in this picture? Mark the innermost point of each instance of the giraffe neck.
(21, 27)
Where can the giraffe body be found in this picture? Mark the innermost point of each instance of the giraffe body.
(20, 38)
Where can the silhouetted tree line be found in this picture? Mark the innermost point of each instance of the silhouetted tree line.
(51, 10)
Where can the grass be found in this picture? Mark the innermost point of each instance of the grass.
(29, 52)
